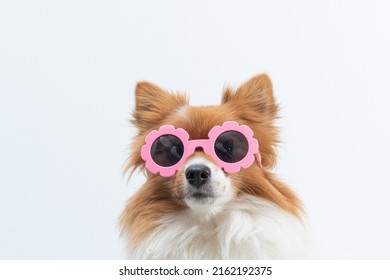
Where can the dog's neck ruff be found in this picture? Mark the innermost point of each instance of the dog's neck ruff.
(247, 228)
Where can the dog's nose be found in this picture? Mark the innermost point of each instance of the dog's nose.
(198, 174)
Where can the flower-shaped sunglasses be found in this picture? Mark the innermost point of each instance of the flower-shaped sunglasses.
(231, 146)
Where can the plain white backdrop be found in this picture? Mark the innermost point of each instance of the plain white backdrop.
(67, 76)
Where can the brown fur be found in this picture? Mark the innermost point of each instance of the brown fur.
(252, 104)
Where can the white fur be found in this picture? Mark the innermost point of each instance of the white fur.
(181, 112)
(248, 228)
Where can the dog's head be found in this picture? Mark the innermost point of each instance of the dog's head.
(199, 183)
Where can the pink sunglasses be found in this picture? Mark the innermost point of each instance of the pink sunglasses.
(231, 146)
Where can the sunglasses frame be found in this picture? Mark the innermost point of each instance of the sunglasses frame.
(189, 147)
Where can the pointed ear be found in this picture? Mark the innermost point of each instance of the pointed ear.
(152, 104)
(255, 95)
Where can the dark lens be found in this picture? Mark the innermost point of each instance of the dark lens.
(167, 150)
(231, 146)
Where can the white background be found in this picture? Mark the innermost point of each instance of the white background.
(67, 75)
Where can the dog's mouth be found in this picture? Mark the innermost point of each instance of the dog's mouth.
(201, 195)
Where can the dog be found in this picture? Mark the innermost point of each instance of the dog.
(210, 191)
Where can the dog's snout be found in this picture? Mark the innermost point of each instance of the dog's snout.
(198, 174)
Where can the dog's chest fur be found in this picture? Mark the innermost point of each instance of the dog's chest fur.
(246, 228)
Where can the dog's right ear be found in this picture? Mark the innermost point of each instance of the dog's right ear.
(152, 104)
(255, 95)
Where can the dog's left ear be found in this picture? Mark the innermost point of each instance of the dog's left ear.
(255, 95)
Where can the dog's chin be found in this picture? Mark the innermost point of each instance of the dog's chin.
(201, 204)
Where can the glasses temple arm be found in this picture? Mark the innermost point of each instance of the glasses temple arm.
(258, 159)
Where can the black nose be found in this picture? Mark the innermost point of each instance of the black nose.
(198, 174)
